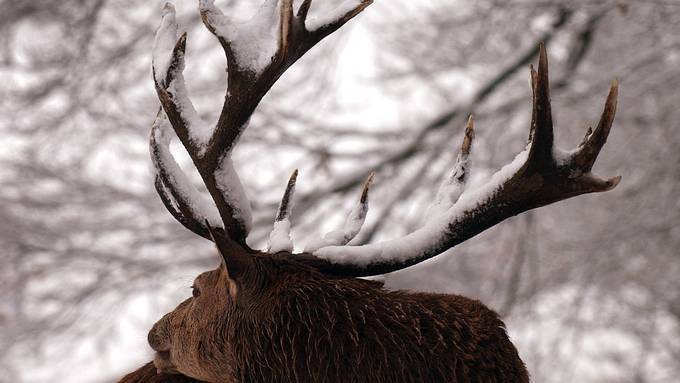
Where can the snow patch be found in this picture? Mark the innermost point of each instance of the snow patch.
(164, 42)
(200, 132)
(229, 185)
(315, 23)
(197, 203)
(279, 238)
(451, 188)
(253, 42)
(350, 229)
(563, 157)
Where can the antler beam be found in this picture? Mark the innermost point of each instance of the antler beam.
(540, 175)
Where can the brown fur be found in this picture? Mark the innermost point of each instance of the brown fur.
(289, 323)
(147, 374)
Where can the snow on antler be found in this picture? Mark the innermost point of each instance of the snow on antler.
(279, 238)
(258, 52)
(192, 205)
(164, 43)
(352, 225)
(343, 9)
(168, 66)
(254, 42)
(535, 178)
(229, 184)
(453, 186)
(418, 242)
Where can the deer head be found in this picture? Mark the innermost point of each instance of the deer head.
(238, 309)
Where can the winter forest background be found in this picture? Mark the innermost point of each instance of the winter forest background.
(89, 257)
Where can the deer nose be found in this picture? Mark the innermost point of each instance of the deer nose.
(158, 338)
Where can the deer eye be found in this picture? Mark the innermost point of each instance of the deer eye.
(195, 291)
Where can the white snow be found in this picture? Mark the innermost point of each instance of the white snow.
(279, 238)
(314, 23)
(562, 157)
(200, 131)
(353, 223)
(451, 188)
(164, 42)
(255, 41)
(229, 185)
(429, 235)
(355, 220)
(201, 207)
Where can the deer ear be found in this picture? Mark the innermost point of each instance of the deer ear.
(235, 257)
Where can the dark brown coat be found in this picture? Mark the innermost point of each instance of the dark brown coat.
(272, 319)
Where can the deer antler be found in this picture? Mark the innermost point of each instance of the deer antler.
(540, 175)
(258, 53)
(279, 239)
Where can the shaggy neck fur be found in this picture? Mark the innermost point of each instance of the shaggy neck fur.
(312, 328)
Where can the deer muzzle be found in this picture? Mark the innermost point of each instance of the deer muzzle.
(159, 336)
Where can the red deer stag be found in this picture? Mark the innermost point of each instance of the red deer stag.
(279, 316)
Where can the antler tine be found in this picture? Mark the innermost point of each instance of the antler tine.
(176, 104)
(169, 203)
(286, 206)
(173, 185)
(453, 186)
(303, 11)
(363, 200)
(539, 175)
(279, 238)
(324, 26)
(595, 140)
(212, 17)
(286, 26)
(468, 137)
(581, 161)
(541, 134)
(164, 41)
(352, 225)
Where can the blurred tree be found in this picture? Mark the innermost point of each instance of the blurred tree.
(589, 287)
